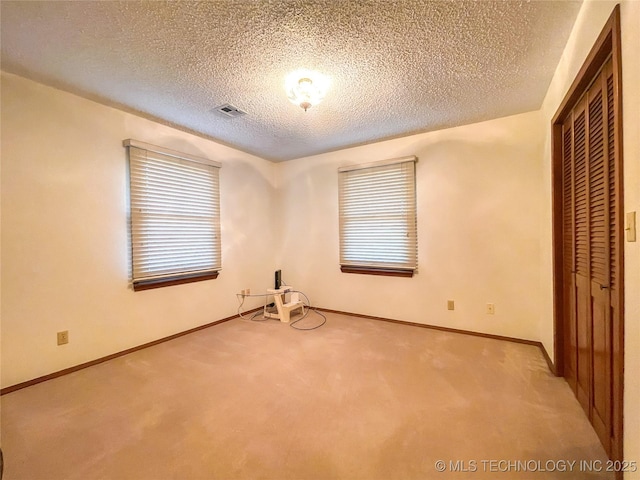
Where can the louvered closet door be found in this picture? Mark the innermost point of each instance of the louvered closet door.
(581, 242)
(613, 347)
(568, 254)
(590, 248)
(602, 269)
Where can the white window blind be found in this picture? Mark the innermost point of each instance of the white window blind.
(378, 227)
(175, 214)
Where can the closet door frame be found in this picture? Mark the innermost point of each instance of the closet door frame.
(607, 44)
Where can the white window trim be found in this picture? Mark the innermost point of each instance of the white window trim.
(171, 153)
(380, 163)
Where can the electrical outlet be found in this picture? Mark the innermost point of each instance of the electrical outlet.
(491, 308)
(63, 337)
(248, 291)
(450, 305)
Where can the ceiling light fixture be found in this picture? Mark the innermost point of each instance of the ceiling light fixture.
(306, 88)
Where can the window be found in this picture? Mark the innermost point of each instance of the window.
(175, 216)
(378, 227)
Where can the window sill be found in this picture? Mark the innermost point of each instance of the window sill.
(388, 272)
(177, 280)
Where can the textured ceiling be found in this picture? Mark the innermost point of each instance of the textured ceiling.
(396, 67)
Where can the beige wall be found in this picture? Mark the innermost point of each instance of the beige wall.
(65, 249)
(478, 199)
(64, 233)
(591, 19)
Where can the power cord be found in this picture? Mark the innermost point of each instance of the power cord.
(256, 314)
(309, 309)
(241, 298)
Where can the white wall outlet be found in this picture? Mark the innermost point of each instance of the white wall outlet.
(248, 291)
(63, 337)
(450, 305)
(491, 308)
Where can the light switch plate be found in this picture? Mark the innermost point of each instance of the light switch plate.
(630, 227)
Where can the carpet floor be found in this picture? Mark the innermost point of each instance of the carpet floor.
(355, 399)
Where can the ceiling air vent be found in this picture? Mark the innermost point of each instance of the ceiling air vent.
(229, 110)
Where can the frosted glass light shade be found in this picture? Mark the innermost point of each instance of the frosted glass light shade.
(306, 88)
